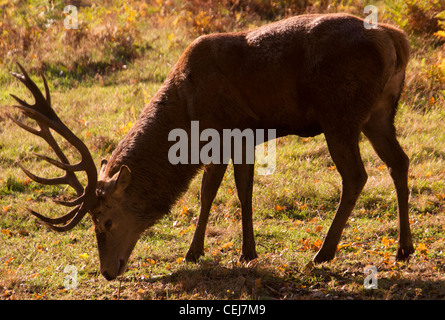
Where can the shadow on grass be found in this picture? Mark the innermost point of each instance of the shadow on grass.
(213, 281)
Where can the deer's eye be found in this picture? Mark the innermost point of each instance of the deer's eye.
(108, 224)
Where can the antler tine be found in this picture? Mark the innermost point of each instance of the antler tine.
(60, 165)
(22, 102)
(71, 203)
(24, 126)
(39, 98)
(47, 95)
(47, 181)
(75, 215)
(53, 221)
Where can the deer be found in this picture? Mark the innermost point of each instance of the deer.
(305, 75)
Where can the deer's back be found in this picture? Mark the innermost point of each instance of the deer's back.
(290, 75)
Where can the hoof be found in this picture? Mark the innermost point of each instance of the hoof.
(404, 253)
(248, 257)
(192, 256)
(323, 257)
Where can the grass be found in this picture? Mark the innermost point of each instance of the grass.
(100, 95)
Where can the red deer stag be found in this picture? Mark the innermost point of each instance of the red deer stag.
(304, 75)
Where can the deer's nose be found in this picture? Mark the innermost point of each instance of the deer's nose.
(107, 276)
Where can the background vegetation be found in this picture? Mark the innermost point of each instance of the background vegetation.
(103, 73)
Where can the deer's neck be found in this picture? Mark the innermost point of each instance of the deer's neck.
(156, 183)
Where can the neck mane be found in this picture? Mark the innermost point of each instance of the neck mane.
(156, 183)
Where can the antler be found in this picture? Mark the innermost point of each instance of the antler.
(47, 119)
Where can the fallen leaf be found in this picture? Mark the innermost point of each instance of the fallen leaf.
(83, 255)
(317, 244)
(226, 245)
(7, 232)
(184, 211)
(431, 101)
(421, 247)
(385, 241)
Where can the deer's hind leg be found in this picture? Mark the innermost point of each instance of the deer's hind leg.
(344, 149)
(210, 183)
(381, 133)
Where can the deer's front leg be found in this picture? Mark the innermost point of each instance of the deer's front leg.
(210, 183)
(244, 185)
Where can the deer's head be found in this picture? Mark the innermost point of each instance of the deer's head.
(105, 197)
(117, 227)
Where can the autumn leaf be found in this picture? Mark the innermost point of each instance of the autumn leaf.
(184, 211)
(317, 244)
(226, 245)
(343, 245)
(421, 247)
(38, 297)
(432, 101)
(385, 241)
(283, 267)
(279, 208)
(440, 34)
(309, 245)
(151, 261)
(7, 232)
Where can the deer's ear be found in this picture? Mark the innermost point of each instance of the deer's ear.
(103, 166)
(121, 180)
